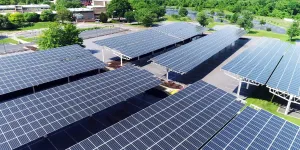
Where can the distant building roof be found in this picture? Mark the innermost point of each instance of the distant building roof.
(24, 6)
(80, 9)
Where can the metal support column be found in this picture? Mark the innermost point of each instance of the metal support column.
(288, 105)
(247, 86)
(239, 89)
(167, 75)
(103, 58)
(121, 60)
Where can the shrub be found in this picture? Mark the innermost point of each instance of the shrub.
(269, 29)
(183, 12)
(103, 17)
(129, 15)
(31, 17)
(47, 15)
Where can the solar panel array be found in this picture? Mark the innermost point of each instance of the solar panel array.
(99, 32)
(257, 130)
(189, 56)
(27, 118)
(143, 42)
(182, 30)
(23, 71)
(8, 48)
(258, 62)
(286, 76)
(185, 120)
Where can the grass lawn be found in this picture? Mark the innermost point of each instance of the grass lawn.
(265, 100)
(8, 41)
(212, 24)
(27, 39)
(275, 21)
(170, 18)
(38, 25)
(261, 33)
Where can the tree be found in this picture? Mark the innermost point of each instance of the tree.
(31, 17)
(183, 12)
(294, 30)
(234, 18)
(5, 23)
(46, 15)
(103, 17)
(64, 15)
(262, 22)
(17, 19)
(59, 35)
(203, 19)
(245, 20)
(145, 16)
(118, 8)
(129, 15)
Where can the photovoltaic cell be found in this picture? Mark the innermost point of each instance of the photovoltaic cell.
(27, 118)
(286, 76)
(99, 32)
(189, 56)
(143, 42)
(24, 71)
(185, 120)
(256, 130)
(258, 62)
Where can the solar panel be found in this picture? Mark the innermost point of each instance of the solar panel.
(286, 76)
(99, 32)
(256, 130)
(181, 30)
(185, 120)
(143, 42)
(189, 56)
(258, 62)
(41, 57)
(28, 77)
(8, 48)
(27, 118)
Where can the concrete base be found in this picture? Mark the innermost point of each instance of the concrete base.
(294, 110)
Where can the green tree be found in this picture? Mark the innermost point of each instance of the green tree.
(31, 17)
(103, 17)
(183, 12)
(64, 15)
(46, 15)
(59, 35)
(203, 19)
(17, 19)
(294, 30)
(129, 15)
(118, 8)
(262, 22)
(245, 20)
(234, 18)
(5, 23)
(145, 16)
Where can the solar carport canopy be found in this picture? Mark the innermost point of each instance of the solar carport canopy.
(259, 130)
(186, 120)
(259, 61)
(286, 77)
(189, 56)
(144, 42)
(28, 118)
(27, 70)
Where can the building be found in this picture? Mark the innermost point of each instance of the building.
(23, 8)
(99, 6)
(83, 14)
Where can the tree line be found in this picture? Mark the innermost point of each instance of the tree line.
(273, 8)
(65, 3)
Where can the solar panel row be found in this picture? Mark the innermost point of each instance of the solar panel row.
(8, 48)
(258, 62)
(187, 57)
(99, 32)
(143, 42)
(257, 130)
(185, 120)
(27, 70)
(286, 76)
(27, 118)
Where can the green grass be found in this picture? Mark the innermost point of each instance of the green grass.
(8, 41)
(265, 100)
(212, 24)
(27, 39)
(275, 21)
(170, 18)
(262, 33)
(38, 25)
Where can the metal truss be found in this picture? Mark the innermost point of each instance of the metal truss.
(284, 95)
(242, 79)
(117, 53)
